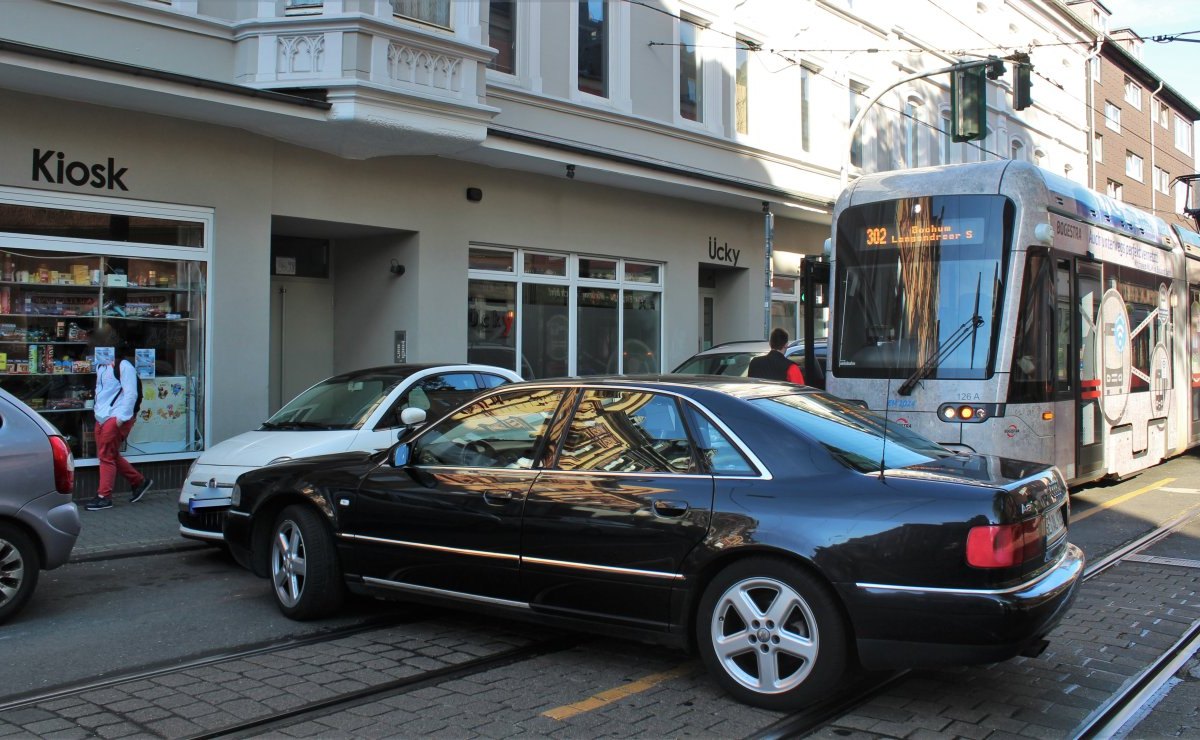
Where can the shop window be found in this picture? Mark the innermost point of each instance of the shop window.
(493, 260)
(554, 319)
(98, 225)
(61, 311)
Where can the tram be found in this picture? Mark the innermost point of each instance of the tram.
(998, 308)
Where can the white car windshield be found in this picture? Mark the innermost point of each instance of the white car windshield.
(344, 402)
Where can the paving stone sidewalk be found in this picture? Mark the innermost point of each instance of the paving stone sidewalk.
(150, 524)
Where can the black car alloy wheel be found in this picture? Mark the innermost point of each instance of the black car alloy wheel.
(18, 570)
(305, 576)
(771, 634)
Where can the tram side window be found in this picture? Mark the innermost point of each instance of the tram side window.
(1143, 295)
(1032, 375)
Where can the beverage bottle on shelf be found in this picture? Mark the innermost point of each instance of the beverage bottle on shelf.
(10, 268)
(43, 274)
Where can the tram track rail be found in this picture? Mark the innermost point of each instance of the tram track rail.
(315, 709)
(368, 625)
(1101, 724)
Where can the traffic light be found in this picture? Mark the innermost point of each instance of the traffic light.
(995, 70)
(1022, 82)
(968, 104)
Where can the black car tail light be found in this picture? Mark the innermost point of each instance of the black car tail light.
(1006, 545)
(64, 466)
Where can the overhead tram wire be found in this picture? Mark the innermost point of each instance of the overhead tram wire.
(740, 44)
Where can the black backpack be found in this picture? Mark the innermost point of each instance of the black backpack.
(137, 405)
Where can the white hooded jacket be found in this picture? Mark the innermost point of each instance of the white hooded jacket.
(116, 397)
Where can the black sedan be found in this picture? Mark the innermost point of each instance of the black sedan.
(781, 531)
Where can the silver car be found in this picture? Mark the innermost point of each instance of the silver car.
(38, 518)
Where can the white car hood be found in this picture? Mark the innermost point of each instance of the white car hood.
(255, 449)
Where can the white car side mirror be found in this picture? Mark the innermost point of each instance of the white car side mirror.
(412, 416)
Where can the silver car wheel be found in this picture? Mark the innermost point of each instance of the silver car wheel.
(12, 571)
(288, 569)
(764, 635)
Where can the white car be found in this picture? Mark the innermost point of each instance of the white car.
(358, 410)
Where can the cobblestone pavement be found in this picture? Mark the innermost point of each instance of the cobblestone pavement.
(1123, 619)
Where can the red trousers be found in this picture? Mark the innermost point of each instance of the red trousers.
(109, 437)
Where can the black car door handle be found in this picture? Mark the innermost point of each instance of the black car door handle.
(497, 496)
(663, 507)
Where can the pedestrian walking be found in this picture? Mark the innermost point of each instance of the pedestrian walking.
(118, 394)
(774, 365)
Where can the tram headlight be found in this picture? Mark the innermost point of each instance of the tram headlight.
(969, 413)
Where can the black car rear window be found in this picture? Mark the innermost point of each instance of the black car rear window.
(855, 436)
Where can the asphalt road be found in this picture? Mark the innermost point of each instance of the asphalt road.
(89, 621)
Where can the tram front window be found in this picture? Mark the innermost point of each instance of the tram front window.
(919, 286)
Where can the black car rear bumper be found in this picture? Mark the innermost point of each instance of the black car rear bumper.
(906, 627)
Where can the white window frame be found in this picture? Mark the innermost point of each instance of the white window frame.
(1183, 135)
(1162, 180)
(1133, 93)
(618, 58)
(1016, 150)
(704, 115)
(912, 126)
(1112, 115)
(1098, 147)
(1115, 190)
(1135, 166)
(573, 283)
(747, 41)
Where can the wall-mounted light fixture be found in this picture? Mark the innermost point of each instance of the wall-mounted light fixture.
(570, 172)
(474, 195)
(396, 269)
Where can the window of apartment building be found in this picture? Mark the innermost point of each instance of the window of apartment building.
(691, 71)
(806, 76)
(1112, 116)
(1181, 193)
(1039, 158)
(1134, 166)
(741, 96)
(857, 91)
(593, 47)
(1183, 135)
(502, 35)
(519, 305)
(1162, 180)
(435, 12)
(913, 126)
(1162, 113)
(1095, 69)
(1115, 190)
(1133, 93)
(1016, 150)
(1098, 148)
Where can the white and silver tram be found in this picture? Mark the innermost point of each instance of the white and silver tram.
(999, 308)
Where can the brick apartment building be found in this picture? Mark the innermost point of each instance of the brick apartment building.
(1142, 128)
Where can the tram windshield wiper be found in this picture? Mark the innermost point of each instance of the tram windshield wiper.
(968, 328)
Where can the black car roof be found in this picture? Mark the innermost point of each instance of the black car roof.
(731, 385)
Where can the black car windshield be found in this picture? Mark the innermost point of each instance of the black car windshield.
(726, 363)
(852, 434)
(343, 402)
(919, 282)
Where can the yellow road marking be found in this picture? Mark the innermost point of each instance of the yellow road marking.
(605, 698)
(1121, 499)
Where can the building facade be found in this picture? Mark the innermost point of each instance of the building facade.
(258, 193)
(1142, 128)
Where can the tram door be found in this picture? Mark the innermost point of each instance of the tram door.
(1193, 345)
(1089, 440)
